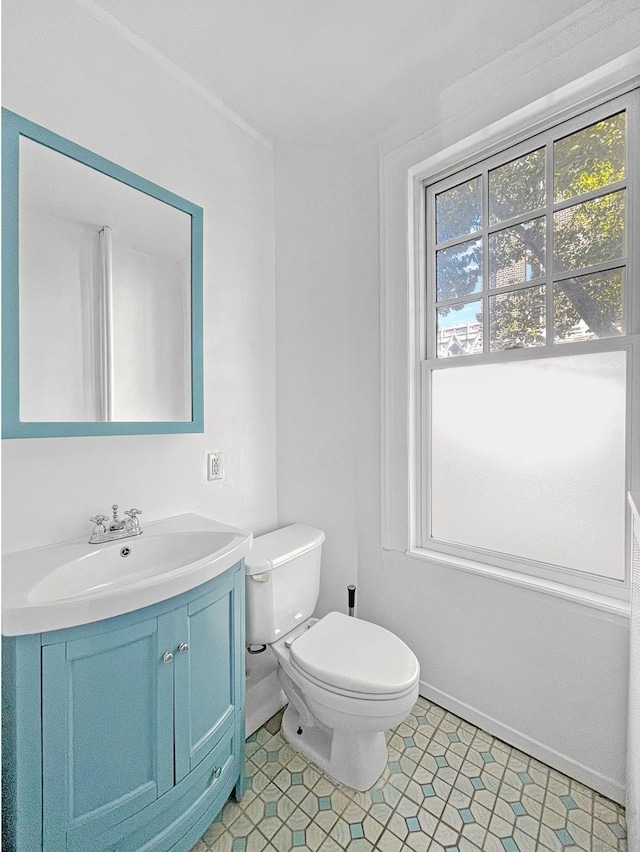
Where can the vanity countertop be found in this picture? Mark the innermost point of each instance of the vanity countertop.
(71, 583)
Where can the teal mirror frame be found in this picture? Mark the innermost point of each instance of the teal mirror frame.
(13, 127)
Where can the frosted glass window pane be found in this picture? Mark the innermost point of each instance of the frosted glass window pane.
(528, 459)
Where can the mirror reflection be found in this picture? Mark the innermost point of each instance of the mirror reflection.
(104, 296)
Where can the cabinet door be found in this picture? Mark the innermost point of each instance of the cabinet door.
(209, 676)
(107, 729)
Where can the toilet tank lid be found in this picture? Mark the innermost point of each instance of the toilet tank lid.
(277, 547)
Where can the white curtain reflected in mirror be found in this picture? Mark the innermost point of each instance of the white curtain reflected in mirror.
(79, 359)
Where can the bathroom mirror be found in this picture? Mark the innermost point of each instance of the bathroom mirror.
(101, 294)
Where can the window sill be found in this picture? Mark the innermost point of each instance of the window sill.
(514, 578)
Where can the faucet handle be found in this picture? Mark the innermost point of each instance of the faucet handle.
(99, 528)
(133, 524)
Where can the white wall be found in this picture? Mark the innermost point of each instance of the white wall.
(65, 71)
(548, 675)
(316, 345)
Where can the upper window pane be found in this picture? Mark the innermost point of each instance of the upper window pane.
(459, 330)
(589, 233)
(459, 270)
(517, 254)
(588, 307)
(517, 187)
(590, 159)
(459, 211)
(517, 319)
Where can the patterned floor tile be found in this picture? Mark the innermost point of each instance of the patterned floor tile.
(448, 787)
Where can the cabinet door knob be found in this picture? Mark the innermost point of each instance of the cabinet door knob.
(183, 648)
(167, 657)
(217, 772)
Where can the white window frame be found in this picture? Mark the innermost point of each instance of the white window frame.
(515, 130)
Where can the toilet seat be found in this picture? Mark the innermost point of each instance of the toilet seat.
(355, 658)
(330, 694)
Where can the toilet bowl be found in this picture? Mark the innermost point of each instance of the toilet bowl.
(347, 680)
(339, 709)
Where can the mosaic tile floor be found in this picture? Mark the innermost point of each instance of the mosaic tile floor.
(448, 787)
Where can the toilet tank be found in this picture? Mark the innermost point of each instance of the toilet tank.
(283, 581)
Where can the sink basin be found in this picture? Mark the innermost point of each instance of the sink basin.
(147, 558)
(64, 585)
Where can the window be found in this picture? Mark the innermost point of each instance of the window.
(528, 336)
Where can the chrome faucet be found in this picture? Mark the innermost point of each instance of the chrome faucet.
(116, 528)
(116, 524)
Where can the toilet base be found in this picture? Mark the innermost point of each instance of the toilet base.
(351, 758)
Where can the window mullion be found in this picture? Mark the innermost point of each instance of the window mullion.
(549, 244)
(592, 195)
(485, 260)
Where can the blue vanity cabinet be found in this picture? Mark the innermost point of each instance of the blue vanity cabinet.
(208, 680)
(142, 726)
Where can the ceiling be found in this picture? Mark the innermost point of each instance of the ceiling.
(332, 72)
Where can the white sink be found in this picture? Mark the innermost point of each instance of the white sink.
(107, 568)
(49, 588)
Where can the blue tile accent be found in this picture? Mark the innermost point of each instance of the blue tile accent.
(451, 849)
(487, 757)
(453, 738)
(271, 809)
(324, 803)
(272, 756)
(478, 783)
(518, 808)
(509, 844)
(525, 777)
(409, 741)
(412, 823)
(296, 777)
(422, 720)
(377, 797)
(252, 737)
(441, 761)
(239, 844)
(564, 837)
(618, 830)
(299, 837)
(356, 830)
(394, 767)
(466, 815)
(428, 790)
(568, 802)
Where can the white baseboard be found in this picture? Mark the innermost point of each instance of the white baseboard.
(263, 700)
(601, 783)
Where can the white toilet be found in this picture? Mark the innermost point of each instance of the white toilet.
(347, 680)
